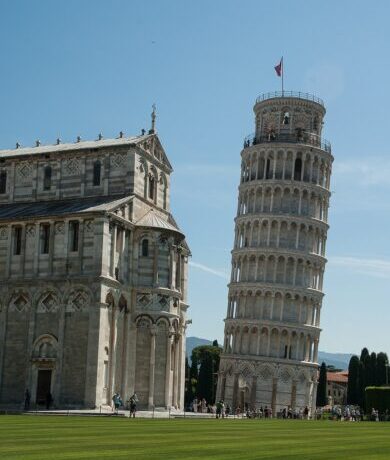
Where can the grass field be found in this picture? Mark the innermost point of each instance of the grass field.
(52, 437)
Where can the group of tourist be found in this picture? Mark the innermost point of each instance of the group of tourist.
(27, 400)
(131, 403)
(223, 410)
(351, 413)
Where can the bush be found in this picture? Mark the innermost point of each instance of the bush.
(378, 398)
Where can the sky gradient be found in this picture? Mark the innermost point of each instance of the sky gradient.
(83, 67)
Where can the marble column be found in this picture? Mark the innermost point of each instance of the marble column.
(153, 332)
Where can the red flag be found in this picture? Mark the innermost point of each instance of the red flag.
(279, 68)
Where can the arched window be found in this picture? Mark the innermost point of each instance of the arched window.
(268, 169)
(298, 169)
(97, 168)
(3, 182)
(151, 187)
(145, 248)
(47, 178)
(164, 184)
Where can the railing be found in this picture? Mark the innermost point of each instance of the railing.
(297, 94)
(293, 138)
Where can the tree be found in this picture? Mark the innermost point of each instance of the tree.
(207, 356)
(364, 354)
(205, 387)
(353, 381)
(191, 380)
(194, 367)
(188, 393)
(382, 362)
(322, 398)
(361, 385)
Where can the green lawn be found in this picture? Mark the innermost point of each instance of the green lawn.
(53, 437)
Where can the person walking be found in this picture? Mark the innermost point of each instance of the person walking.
(116, 399)
(49, 400)
(133, 405)
(27, 399)
(219, 410)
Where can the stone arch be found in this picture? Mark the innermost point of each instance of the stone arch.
(78, 299)
(48, 301)
(45, 347)
(20, 301)
(266, 372)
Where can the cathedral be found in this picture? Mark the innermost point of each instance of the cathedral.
(93, 274)
(272, 326)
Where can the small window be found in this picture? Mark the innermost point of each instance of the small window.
(74, 227)
(97, 168)
(45, 238)
(3, 182)
(47, 178)
(17, 241)
(145, 248)
(151, 187)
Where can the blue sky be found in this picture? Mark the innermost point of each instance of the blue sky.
(73, 68)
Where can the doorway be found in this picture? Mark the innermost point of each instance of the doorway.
(244, 398)
(44, 385)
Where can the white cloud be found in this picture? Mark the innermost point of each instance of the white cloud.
(373, 172)
(206, 269)
(378, 268)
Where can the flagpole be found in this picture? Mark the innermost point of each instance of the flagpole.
(282, 77)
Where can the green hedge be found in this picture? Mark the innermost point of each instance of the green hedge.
(378, 398)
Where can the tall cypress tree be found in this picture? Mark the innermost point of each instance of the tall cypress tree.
(353, 381)
(364, 354)
(322, 398)
(188, 393)
(381, 372)
(194, 367)
(205, 387)
(208, 356)
(361, 385)
(372, 370)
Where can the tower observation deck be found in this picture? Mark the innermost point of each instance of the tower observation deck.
(272, 326)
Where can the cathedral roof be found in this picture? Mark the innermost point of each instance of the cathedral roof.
(72, 146)
(153, 219)
(150, 143)
(59, 207)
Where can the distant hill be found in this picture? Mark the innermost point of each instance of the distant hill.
(338, 360)
(193, 342)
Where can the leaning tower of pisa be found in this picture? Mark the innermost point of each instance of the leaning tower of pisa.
(272, 326)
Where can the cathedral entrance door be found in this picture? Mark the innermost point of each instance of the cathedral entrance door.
(244, 398)
(44, 385)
